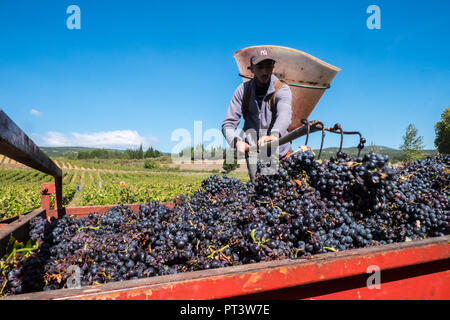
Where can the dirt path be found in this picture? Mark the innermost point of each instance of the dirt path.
(74, 177)
(76, 198)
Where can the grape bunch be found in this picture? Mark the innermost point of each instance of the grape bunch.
(307, 207)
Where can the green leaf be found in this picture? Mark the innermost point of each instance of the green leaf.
(15, 247)
(29, 244)
(10, 246)
(18, 245)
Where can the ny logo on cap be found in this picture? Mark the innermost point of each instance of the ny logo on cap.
(263, 52)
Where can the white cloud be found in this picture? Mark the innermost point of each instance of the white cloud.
(36, 113)
(152, 140)
(121, 139)
(54, 139)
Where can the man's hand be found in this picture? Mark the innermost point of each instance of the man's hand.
(242, 146)
(266, 139)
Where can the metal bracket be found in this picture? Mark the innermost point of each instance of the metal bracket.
(15, 144)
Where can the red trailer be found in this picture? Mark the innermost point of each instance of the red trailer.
(410, 270)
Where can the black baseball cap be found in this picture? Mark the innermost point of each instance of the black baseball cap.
(261, 54)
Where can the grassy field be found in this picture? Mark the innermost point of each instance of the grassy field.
(99, 184)
(99, 180)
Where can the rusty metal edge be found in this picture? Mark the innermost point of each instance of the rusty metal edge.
(14, 218)
(15, 144)
(353, 256)
(18, 228)
(11, 219)
(74, 211)
(85, 210)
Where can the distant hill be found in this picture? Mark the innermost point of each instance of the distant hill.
(61, 151)
(394, 154)
(65, 151)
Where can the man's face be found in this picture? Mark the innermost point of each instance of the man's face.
(263, 71)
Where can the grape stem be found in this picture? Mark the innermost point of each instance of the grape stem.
(192, 211)
(213, 252)
(4, 285)
(260, 242)
(297, 251)
(89, 227)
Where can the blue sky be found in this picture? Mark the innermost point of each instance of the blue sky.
(138, 70)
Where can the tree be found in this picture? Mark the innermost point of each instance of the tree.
(228, 167)
(130, 154)
(412, 144)
(150, 153)
(442, 129)
(140, 152)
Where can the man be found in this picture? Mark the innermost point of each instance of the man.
(265, 104)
